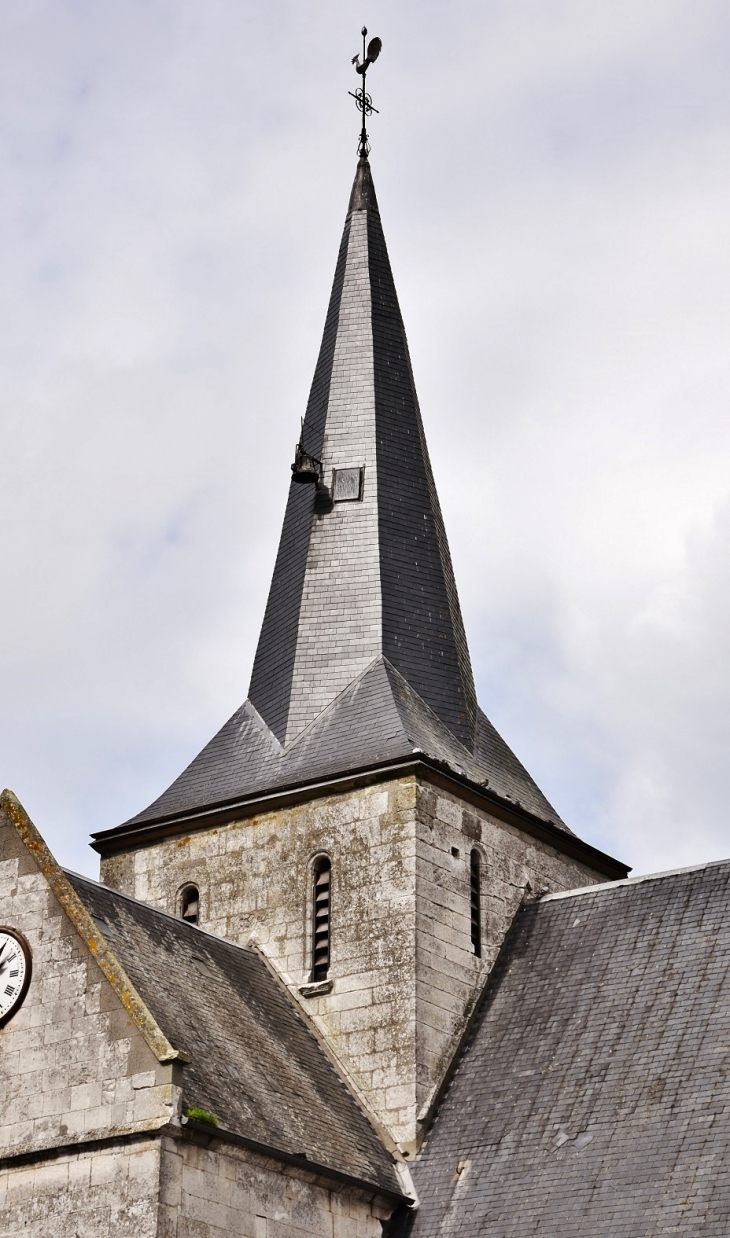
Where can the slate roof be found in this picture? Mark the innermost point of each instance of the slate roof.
(593, 1100)
(374, 576)
(254, 1063)
(362, 658)
(379, 718)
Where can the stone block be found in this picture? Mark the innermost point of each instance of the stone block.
(144, 1079)
(402, 958)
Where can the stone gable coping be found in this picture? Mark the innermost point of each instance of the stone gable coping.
(89, 933)
(296, 995)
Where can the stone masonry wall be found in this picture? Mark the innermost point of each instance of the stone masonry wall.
(110, 1192)
(72, 1064)
(402, 966)
(230, 1193)
(255, 877)
(448, 971)
(170, 1188)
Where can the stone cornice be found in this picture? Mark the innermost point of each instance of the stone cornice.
(130, 838)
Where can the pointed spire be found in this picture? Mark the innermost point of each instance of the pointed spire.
(358, 579)
(362, 662)
(363, 197)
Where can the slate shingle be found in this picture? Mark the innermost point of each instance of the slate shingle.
(378, 718)
(254, 1063)
(593, 1100)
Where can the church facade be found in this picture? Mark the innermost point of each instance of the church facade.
(351, 972)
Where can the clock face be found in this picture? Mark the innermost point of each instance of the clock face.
(15, 964)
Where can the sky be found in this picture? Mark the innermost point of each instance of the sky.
(554, 183)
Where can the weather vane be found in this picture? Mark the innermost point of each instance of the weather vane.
(363, 102)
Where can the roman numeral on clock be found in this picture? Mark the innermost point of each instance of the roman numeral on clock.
(15, 970)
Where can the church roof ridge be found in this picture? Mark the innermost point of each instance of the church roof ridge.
(604, 886)
(377, 722)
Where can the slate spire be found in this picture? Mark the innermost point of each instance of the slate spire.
(362, 662)
(355, 580)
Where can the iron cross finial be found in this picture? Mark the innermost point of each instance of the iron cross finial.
(363, 102)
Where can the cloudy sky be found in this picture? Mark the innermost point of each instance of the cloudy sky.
(554, 179)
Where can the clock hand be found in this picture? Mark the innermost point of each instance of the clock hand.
(5, 962)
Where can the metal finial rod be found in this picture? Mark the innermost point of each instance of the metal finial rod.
(363, 102)
(363, 151)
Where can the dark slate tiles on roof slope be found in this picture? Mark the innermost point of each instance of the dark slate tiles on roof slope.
(361, 727)
(423, 633)
(492, 762)
(422, 629)
(273, 668)
(254, 1063)
(507, 775)
(378, 718)
(594, 1098)
(236, 761)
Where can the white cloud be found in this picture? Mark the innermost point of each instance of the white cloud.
(554, 181)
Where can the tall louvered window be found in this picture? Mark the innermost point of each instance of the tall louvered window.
(476, 903)
(321, 900)
(190, 904)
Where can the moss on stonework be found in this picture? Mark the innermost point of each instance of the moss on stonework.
(200, 1115)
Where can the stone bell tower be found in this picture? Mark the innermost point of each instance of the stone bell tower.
(359, 816)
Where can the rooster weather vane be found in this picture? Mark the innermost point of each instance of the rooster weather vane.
(363, 102)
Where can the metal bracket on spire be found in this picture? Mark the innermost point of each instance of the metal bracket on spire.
(363, 102)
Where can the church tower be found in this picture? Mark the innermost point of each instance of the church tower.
(359, 817)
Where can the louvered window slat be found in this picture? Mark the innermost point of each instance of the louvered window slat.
(476, 904)
(321, 919)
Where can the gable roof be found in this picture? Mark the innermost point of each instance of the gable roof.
(593, 1099)
(13, 811)
(254, 1063)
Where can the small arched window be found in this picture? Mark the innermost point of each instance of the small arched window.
(190, 904)
(321, 906)
(476, 903)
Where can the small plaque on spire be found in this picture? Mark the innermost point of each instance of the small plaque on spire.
(346, 485)
(363, 102)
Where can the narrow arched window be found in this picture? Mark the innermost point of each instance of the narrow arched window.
(190, 904)
(476, 903)
(321, 906)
